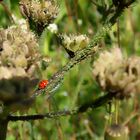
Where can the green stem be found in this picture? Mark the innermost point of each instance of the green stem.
(116, 110)
(110, 113)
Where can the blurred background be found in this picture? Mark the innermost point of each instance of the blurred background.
(77, 17)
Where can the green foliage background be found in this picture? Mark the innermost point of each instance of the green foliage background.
(78, 85)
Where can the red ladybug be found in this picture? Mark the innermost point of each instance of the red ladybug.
(43, 84)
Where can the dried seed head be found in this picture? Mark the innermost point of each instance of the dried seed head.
(41, 13)
(117, 74)
(19, 49)
(107, 62)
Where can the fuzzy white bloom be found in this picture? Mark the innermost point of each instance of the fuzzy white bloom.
(53, 28)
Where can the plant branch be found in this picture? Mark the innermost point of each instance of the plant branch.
(83, 108)
(81, 55)
(42, 116)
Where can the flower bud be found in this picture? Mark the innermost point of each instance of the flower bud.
(117, 132)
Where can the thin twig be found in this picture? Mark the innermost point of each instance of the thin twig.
(118, 33)
(132, 115)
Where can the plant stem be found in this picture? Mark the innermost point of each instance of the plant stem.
(116, 110)
(83, 108)
(118, 33)
(3, 128)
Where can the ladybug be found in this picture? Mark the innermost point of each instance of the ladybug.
(43, 84)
